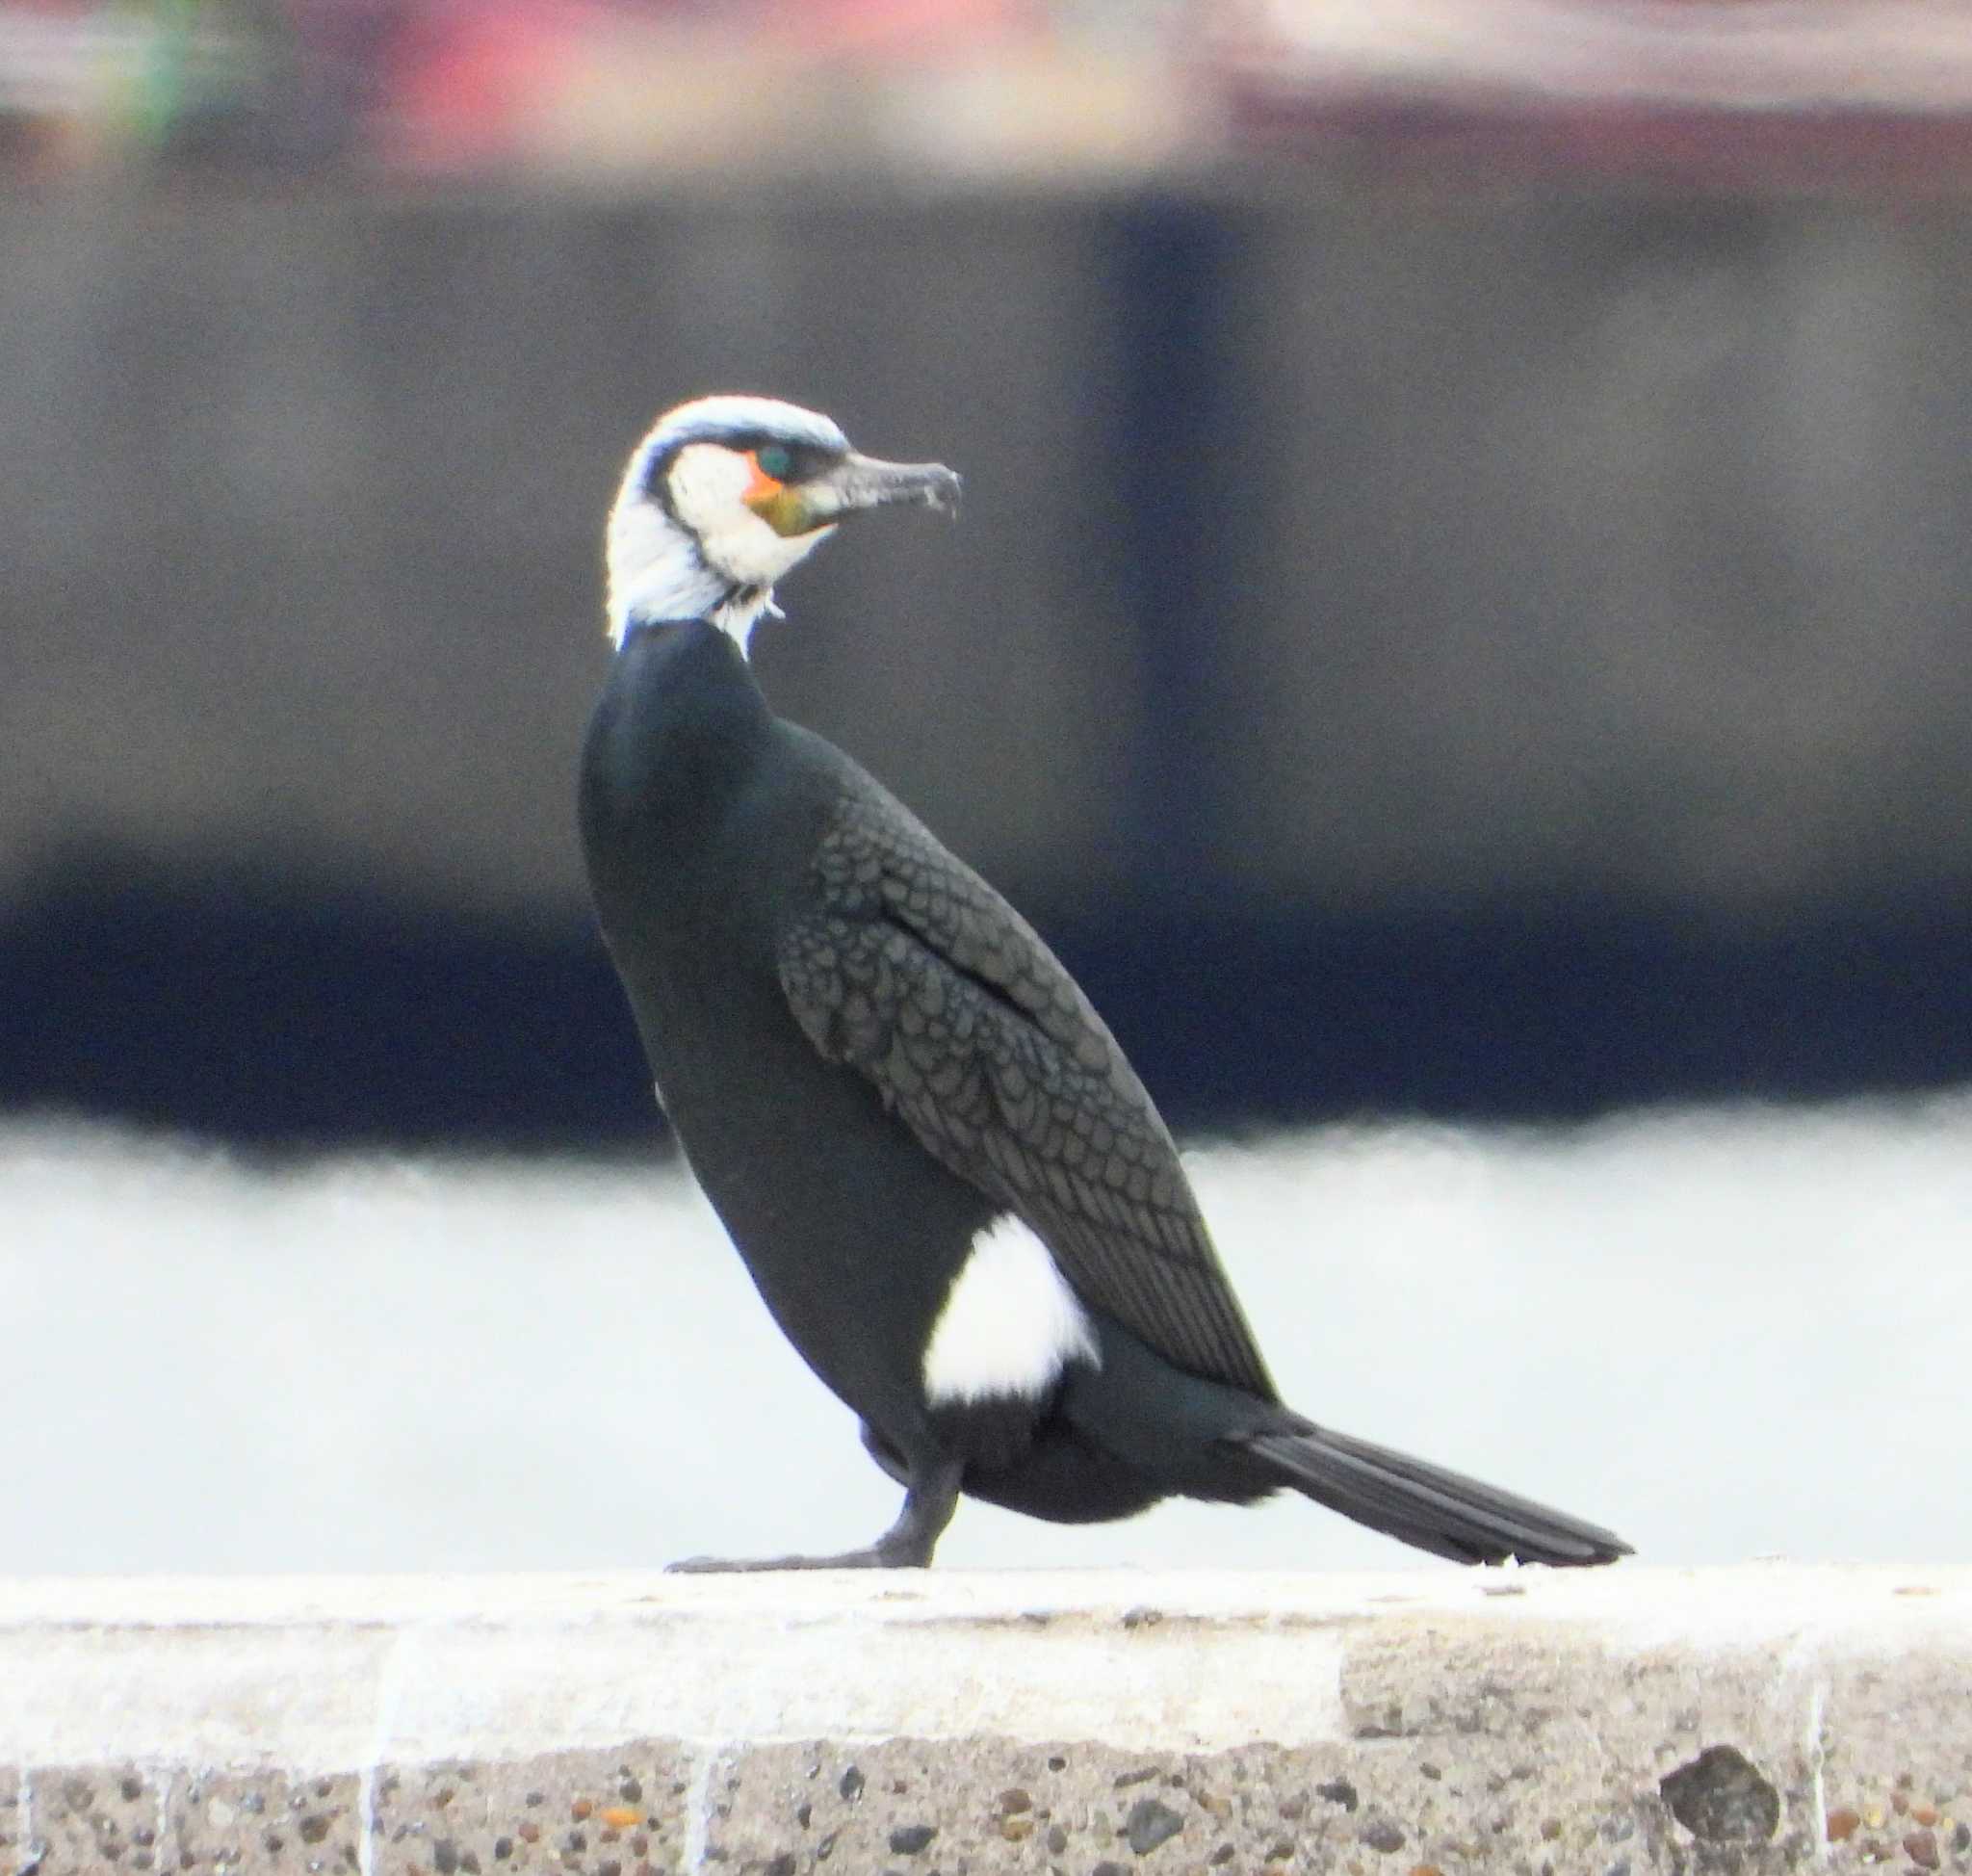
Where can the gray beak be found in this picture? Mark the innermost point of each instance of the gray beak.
(862, 482)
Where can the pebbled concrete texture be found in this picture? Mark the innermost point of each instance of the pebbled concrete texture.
(1629, 1722)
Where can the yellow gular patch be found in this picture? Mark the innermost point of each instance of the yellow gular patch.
(779, 506)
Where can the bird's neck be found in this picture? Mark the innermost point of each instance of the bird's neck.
(658, 573)
(677, 738)
(681, 720)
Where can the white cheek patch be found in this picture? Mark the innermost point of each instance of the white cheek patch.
(1010, 1324)
(708, 483)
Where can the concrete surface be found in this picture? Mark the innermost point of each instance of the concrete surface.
(1766, 1718)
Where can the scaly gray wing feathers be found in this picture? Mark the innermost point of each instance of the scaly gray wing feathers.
(916, 972)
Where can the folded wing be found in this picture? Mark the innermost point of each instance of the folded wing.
(913, 971)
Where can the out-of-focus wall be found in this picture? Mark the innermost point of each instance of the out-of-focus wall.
(1492, 654)
(302, 538)
(1352, 547)
(1632, 545)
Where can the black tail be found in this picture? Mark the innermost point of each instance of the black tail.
(1435, 1510)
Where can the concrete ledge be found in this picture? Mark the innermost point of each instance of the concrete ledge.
(1760, 1719)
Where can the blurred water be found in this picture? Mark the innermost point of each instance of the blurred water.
(1724, 1332)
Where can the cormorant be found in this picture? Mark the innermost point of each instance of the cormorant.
(952, 1189)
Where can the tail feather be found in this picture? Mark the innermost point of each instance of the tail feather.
(1428, 1506)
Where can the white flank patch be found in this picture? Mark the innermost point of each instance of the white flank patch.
(1011, 1323)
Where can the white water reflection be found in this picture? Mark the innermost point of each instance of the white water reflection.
(1724, 1332)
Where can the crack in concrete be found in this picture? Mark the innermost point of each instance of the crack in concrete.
(389, 1697)
(698, 1806)
(31, 1852)
(1802, 1663)
(167, 1784)
(1815, 1745)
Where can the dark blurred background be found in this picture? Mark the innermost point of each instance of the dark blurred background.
(1462, 606)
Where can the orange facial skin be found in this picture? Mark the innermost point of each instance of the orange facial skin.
(762, 488)
(779, 506)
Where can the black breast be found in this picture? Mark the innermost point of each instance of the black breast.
(701, 817)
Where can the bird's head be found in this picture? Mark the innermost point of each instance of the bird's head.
(726, 494)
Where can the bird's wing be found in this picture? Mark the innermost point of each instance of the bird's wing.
(910, 968)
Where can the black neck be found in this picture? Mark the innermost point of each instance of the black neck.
(679, 723)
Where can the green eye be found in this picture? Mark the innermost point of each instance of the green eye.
(775, 459)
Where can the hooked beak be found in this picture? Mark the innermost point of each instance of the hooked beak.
(855, 484)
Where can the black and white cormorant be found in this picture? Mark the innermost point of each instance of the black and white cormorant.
(952, 1189)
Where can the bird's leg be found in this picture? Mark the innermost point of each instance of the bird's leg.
(930, 1498)
(888, 1458)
